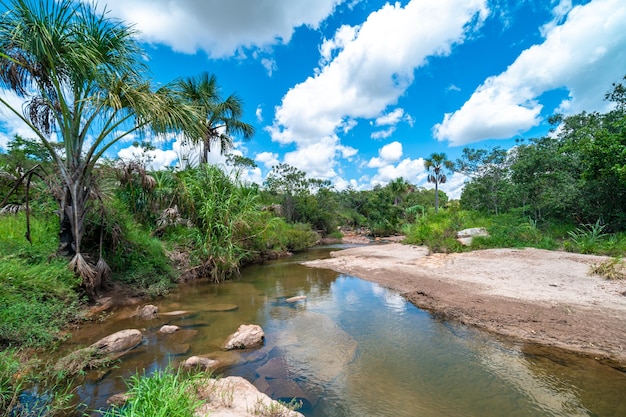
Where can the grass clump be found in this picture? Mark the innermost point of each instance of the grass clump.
(612, 269)
(162, 394)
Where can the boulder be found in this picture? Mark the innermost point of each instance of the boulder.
(247, 336)
(147, 312)
(100, 353)
(466, 236)
(119, 342)
(167, 329)
(236, 397)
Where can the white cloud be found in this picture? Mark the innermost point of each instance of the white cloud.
(158, 158)
(220, 28)
(268, 159)
(585, 55)
(391, 118)
(259, 113)
(383, 134)
(388, 154)
(269, 65)
(365, 69)
(10, 123)
(316, 159)
(411, 170)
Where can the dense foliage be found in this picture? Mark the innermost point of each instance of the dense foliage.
(577, 175)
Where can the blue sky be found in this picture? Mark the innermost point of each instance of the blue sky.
(360, 91)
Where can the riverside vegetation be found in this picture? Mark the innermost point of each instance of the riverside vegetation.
(126, 226)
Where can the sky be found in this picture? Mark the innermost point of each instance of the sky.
(359, 92)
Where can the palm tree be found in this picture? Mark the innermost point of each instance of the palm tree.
(222, 118)
(81, 76)
(435, 165)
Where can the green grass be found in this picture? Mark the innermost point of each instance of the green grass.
(37, 289)
(438, 231)
(162, 394)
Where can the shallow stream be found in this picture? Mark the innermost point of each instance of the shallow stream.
(353, 348)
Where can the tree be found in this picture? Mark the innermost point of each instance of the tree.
(81, 76)
(436, 165)
(222, 118)
(489, 173)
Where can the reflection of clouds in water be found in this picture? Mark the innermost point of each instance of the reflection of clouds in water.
(392, 299)
(546, 393)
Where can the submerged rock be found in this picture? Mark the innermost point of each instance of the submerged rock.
(247, 336)
(296, 298)
(199, 362)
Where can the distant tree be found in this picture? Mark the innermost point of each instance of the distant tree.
(436, 165)
(489, 173)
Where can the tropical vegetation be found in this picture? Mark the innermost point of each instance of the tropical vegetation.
(81, 76)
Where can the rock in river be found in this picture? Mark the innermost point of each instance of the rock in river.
(247, 336)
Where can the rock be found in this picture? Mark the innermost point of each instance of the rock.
(119, 342)
(101, 352)
(466, 236)
(175, 313)
(198, 362)
(235, 397)
(167, 329)
(118, 400)
(147, 312)
(296, 298)
(247, 336)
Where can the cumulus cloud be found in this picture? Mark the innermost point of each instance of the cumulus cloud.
(365, 69)
(584, 54)
(411, 170)
(268, 159)
(220, 28)
(386, 155)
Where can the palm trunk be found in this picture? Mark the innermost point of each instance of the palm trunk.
(436, 197)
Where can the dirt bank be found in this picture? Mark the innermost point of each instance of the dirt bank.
(539, 296)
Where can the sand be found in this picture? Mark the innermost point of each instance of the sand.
(537, 296)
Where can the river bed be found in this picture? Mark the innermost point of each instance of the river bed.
(354, 348)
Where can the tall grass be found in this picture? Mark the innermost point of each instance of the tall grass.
(223, 211)
(37, 289)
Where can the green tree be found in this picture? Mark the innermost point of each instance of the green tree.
(82, 77)
(222, 118)
(436, 165)
(489, 174)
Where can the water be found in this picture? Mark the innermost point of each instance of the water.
(354, 348)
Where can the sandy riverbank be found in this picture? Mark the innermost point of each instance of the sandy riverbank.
(539, 296)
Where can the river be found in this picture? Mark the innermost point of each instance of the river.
(353, 348)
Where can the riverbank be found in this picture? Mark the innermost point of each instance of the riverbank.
(532, 295)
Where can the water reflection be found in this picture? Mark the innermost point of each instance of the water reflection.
(353, 348)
